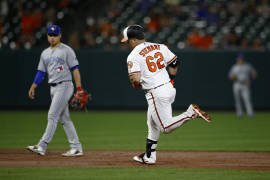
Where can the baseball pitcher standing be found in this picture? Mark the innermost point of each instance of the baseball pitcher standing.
(242, 74)
(58, 61)
(147, 64)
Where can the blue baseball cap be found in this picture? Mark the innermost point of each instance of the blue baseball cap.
(54, 29)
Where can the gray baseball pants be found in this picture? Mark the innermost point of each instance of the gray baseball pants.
(242, 91)
(60, 95)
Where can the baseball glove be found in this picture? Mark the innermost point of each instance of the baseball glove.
(80, 99)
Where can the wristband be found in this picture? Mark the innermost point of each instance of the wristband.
(79, 88)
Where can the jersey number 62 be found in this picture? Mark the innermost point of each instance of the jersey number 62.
(150, 61)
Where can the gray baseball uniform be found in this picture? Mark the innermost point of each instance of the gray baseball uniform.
(57, 64)
(241, 87)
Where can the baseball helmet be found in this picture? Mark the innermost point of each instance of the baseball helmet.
(133, 31)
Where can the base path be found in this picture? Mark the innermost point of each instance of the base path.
(118, 158)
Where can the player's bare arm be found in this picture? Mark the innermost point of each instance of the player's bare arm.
(233, 77)
(77, 78)
(173, 70)
(31, 91)
(38, 79)
(135, 80)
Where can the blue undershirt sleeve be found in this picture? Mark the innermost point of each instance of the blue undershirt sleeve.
(74, 67)
(39, 77)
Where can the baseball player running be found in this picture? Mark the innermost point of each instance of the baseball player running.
(147, 64)
(58, 61)
(241, 74)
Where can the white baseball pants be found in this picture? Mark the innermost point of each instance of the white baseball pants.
(159, 115)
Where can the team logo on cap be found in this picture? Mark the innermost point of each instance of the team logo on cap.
(53, 28)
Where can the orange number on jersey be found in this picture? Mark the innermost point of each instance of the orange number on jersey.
(159, 61)
(152, 65)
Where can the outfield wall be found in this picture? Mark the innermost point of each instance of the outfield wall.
(203, 79)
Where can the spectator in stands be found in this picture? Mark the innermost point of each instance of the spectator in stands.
(144, 5)
(105, 27)
(113, 11)
(206, 41)
(50, 15)
(229, 41)
(235, 8)
(256, 45)
(166, 20)
(244, 44)
(172, 3)
(88, 39)
(179, 14)
(31, 20)
(251, 7)
(209, 14)
(74, 40)
(264, 9)
(194, 39)
(155, 21)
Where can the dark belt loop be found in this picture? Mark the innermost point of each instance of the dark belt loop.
(55, 84)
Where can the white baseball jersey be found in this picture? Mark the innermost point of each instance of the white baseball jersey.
(150, 59)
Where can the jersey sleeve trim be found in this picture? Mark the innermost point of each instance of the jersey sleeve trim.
(172, 59)
(74, 67)
(134, 72)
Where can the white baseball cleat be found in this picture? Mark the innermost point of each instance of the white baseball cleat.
(73, 153)
(200, 113)
(142, 158)
(36, 149)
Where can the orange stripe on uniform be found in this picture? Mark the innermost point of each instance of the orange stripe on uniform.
(160, 119)
(157, 111)
(172, 59)
(134, 72)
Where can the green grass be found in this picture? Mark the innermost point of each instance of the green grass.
(127, 130)
(92, 173)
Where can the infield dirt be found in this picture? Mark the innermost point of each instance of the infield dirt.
(118, 158)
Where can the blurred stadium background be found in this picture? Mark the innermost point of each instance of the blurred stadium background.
(205, 34)
(181, 24)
